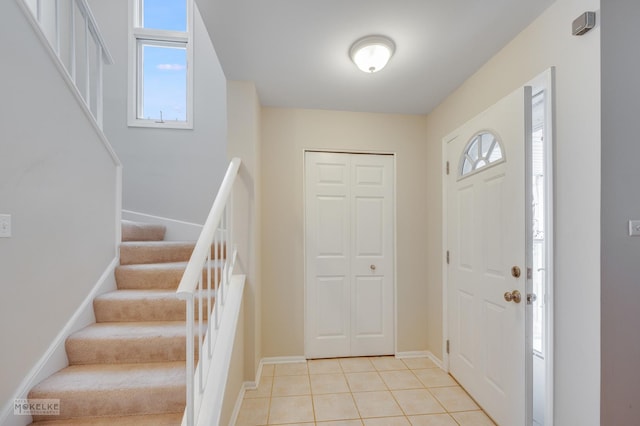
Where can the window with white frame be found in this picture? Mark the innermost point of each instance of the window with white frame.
(484, 149)
(160, 58)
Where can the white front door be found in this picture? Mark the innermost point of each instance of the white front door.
(486, 239)
(349, 254)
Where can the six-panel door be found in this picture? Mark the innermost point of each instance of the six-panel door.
(349, 254)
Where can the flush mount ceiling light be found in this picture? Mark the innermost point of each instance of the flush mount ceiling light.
(371, 53)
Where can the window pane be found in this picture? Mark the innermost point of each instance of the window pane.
(473, 149)
(486, 141)
(164, 83)
(496, 154)
(165, 14)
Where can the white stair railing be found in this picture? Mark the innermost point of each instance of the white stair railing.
(75, 40)
(204, 286)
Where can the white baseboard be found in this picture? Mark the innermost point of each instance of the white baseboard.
(55, 357)
(254, 385)
(437, 361)
(421, 354)
(412, 354)
(177, 230)
(283, 360)
(236, 408)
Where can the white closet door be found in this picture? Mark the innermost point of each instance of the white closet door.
(349, 254)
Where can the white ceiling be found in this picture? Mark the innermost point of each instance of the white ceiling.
(296, 51)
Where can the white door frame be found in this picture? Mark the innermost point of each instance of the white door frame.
(395, 235)
(545, 81)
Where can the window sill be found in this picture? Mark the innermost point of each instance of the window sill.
(179, 125)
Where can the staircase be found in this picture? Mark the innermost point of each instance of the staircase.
(129, 367)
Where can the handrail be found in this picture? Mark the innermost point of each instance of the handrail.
(93, 26)
(46, 17)
(216, 237)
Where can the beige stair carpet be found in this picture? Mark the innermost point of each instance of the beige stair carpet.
(129, 367)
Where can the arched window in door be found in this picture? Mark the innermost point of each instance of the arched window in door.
(483, 150)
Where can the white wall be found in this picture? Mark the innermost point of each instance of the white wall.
(167, 173)
(545, 43)
(620, 202)
(286, 133)
(58, 181)
(244, 142)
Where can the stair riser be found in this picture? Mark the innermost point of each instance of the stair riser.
(116, 402)
(101, 351)
(133, 231)
(130, 278)
(135, 310)
(141, 253)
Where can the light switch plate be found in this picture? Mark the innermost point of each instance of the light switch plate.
(634, 228)
(5, 226)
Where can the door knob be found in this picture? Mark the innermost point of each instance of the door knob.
(515, 272)
(513, 296)
(373, 267)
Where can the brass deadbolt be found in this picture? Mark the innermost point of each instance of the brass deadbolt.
(515, 272)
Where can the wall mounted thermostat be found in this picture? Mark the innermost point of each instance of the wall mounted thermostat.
(583, 23)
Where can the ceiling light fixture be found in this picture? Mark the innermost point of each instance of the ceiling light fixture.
(371, 53)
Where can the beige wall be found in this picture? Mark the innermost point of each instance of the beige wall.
(546, 43)
(243, 109)
(286, 134)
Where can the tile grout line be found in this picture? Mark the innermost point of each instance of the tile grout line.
(386, 386)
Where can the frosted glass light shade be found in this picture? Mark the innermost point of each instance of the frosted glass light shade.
(372, 53)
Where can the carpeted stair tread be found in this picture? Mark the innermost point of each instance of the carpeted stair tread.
(135, 252)
(128, 368)
(138, 231)
(128, 342)
(170, 419)
(115, 390)
(152, 275)
(140, 305)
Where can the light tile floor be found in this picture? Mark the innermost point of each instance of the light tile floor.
(371, 391)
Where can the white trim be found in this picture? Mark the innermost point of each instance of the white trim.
(238, 405)
(412, 354)
(421, 354)
(55, 357)
(546, 81)
(118, 212)
(445, 269)
(437, 361)
(284, 360)
(177, 230)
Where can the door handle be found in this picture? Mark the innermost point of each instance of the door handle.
(513, 296)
